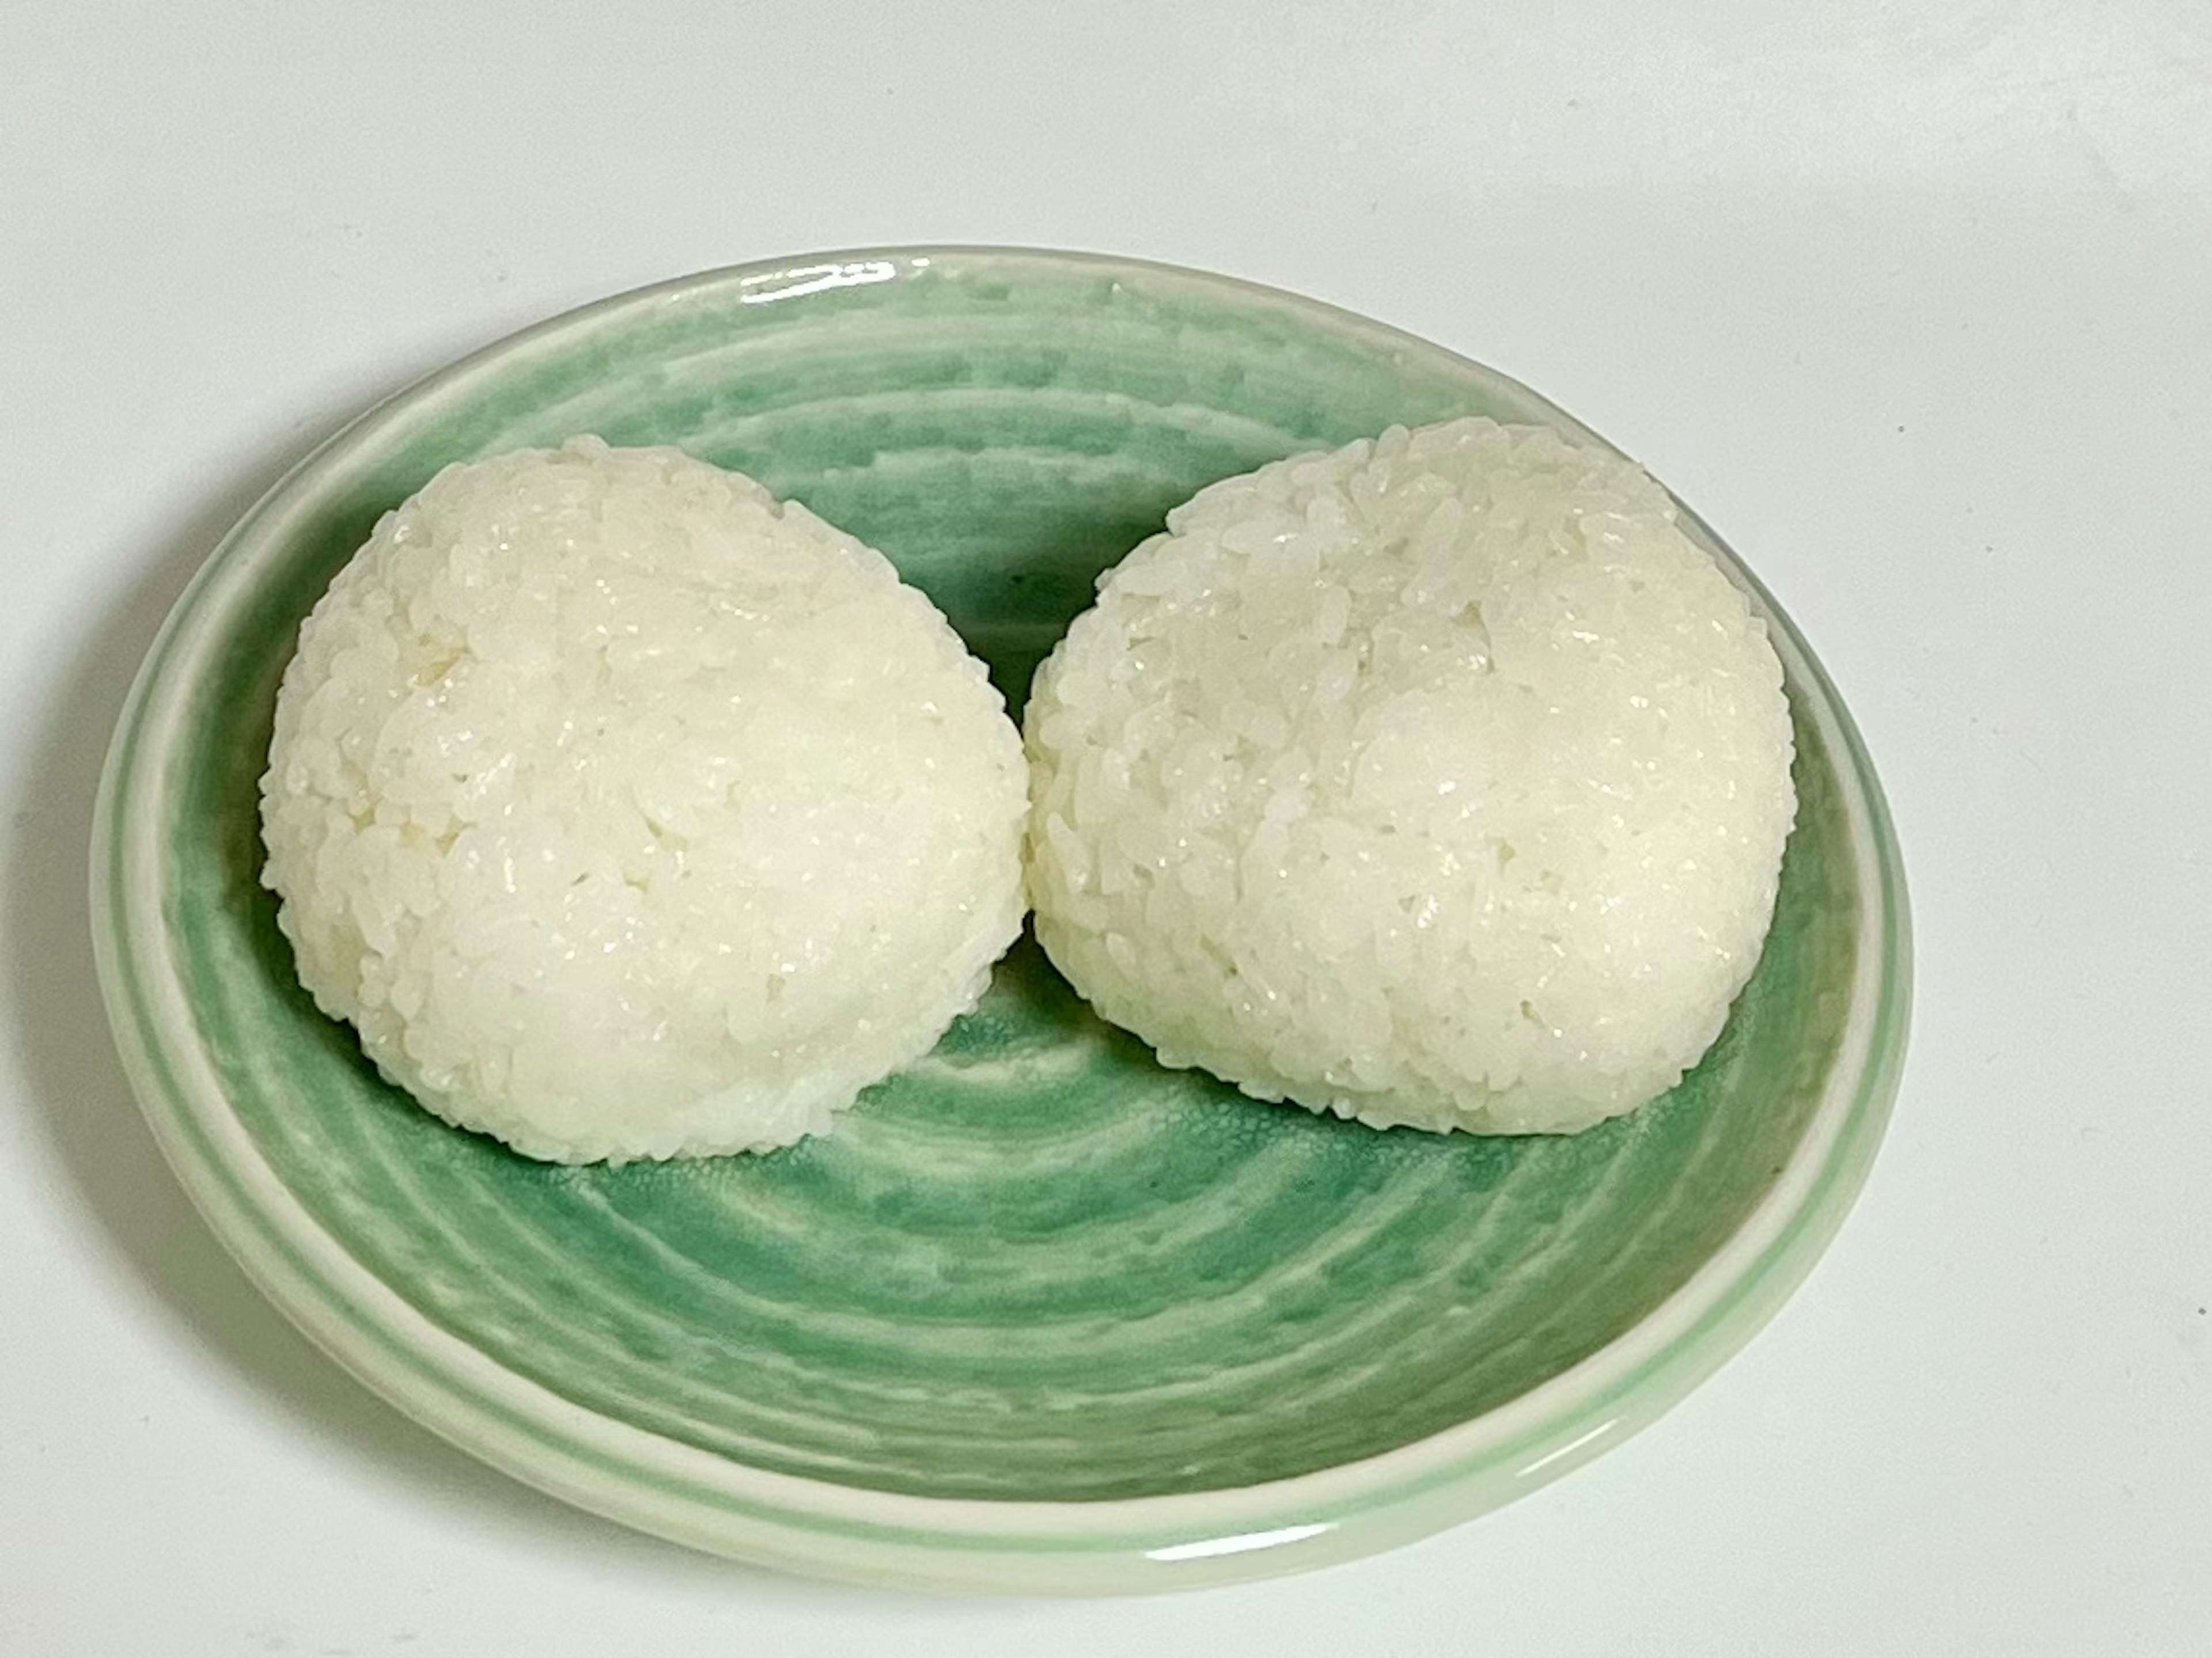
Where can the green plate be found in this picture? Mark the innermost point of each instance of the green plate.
(1040, 1316)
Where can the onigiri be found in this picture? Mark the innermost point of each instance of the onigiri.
(1440, 780)
(627, 812)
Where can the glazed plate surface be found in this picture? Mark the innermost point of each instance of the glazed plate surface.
(1040, 1316)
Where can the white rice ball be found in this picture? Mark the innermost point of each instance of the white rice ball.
(628, 812)
(1441, 780)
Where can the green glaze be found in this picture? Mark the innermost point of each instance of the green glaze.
(1035, 1269)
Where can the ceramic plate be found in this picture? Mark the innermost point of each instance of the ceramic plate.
(1040, 1316)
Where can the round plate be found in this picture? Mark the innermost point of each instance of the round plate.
(1040, 1316)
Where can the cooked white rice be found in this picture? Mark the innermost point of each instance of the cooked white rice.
(1441, 780)
(628, 812)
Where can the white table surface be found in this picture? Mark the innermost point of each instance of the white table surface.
(1914, 302)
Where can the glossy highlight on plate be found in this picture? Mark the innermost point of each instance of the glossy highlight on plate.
(1041, 1316)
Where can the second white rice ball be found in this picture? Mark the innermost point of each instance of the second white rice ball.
(1441, 780)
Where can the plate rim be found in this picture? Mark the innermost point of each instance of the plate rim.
(700, 1498)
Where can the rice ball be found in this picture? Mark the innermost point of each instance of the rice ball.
(627, 812)
(1440, 780)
